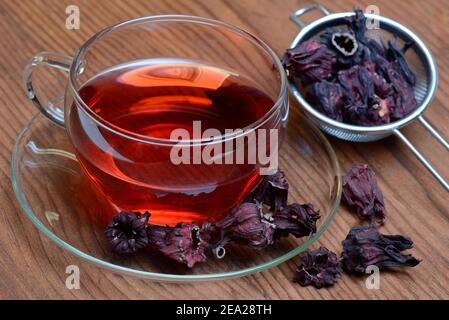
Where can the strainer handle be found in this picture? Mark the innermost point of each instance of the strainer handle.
(434, 132)
(295, 16)
(420, 157)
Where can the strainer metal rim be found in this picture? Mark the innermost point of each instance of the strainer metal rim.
(387, 128)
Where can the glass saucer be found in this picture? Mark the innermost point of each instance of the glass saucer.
(47, 181)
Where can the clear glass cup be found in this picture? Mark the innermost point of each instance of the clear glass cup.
(135, 172)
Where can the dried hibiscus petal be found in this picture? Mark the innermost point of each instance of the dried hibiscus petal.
(365, 246)
(295, 219)
(367, 100)
(184, 242)
(344, 54)
(404, 97)
(328, 97)
(247, 225)
(357, 24)
(272, 191)
(127, 232)
(318, 268)
(309, 61)
(362, 193)
(397, 56)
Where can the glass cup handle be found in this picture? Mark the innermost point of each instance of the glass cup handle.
(52, 108)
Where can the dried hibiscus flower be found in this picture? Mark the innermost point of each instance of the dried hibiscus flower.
(328, 97)
(272, 191)
(362, 193)
(344, 42)
(127, 232)
(368, 83)
(309, 61)
(357, 24)
(397, 57)
(295, 219)
(318, 268)
(247, 225)
(184, 242)
(368, 97)
(365, 246)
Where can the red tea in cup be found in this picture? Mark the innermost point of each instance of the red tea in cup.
(143, 102)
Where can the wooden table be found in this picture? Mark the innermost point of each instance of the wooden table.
(32, 267)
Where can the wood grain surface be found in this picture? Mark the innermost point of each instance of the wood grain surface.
(32, 267)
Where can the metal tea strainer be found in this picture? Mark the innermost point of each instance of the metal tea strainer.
(420, 61)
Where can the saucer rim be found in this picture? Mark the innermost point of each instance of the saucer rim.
(167, 277)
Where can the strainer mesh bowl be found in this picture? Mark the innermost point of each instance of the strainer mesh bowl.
(418, 58)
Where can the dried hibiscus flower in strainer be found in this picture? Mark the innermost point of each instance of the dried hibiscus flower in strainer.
(352, 78)
(309, 61)
(329, 98)
(365, 246)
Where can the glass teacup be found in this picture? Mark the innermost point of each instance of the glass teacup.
(136, 89)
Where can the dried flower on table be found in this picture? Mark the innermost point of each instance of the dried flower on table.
(365, 246)
(362, 193)
(309, 61)
(318, 268)
(127, 232)
(184, 242)
(247, 225)
(295, 219)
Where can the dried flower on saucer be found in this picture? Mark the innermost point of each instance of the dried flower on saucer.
(362, 193)
(318, 268)
(309, 61)
(127, 232)
(295, 219)
(365, 246)
(272, 191)
(184, 242)
(247, 225)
